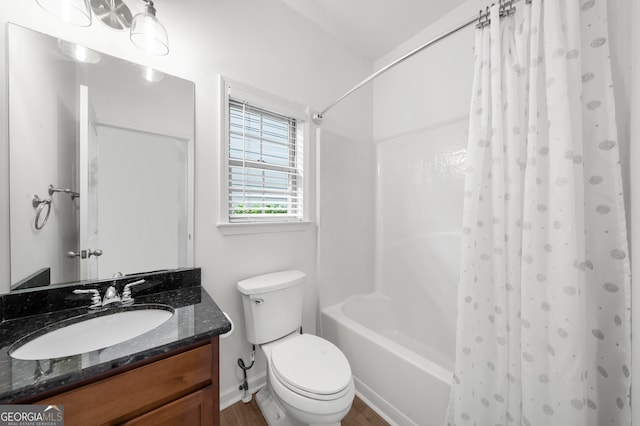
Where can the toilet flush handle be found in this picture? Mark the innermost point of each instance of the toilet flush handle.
(258, 301)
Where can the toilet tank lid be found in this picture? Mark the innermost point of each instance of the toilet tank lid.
(271, 282)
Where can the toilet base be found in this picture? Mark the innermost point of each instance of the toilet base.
(274, 413)
(271, 410)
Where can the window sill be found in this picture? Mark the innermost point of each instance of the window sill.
(263, 228)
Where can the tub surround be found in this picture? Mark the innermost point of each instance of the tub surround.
(197, 320)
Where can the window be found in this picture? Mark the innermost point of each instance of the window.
(265, 167)
(263, 153)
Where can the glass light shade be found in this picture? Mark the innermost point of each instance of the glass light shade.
(76, 12)
(149, 35)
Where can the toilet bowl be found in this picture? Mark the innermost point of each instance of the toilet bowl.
(309, 380)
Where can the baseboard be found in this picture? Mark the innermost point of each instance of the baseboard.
(231, 395)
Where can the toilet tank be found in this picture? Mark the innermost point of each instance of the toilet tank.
(272, 305)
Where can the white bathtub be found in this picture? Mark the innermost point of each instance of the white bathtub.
(395, 370)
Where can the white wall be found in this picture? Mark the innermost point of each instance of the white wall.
(261, 43)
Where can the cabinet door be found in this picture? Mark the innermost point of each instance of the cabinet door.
(195, 409)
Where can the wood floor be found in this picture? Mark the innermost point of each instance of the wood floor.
(241, 414)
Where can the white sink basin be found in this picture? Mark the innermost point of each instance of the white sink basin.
(91, 334)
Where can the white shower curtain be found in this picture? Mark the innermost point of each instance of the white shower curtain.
(544, 311)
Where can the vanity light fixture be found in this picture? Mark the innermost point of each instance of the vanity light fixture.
(148, 33)
(76, 12)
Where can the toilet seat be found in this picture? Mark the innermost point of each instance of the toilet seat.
(311, 366)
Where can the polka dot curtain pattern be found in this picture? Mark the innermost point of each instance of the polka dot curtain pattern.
(544, 297)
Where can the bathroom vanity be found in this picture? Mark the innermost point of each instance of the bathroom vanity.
(168, 375)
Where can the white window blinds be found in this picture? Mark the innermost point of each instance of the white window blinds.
(265, 165)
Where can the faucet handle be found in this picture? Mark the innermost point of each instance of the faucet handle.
(126, 292)
(96, 302)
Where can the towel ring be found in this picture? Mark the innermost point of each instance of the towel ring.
(40, 204)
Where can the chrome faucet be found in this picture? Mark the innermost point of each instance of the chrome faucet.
(110, 296)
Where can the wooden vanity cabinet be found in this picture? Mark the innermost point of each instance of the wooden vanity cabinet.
(182, 388)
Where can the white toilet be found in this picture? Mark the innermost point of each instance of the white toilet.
(308, 378)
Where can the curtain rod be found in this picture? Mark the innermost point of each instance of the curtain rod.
(318, 116)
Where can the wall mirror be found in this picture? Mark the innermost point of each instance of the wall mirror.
(100, 164)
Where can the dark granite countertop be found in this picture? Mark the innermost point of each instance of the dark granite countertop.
(196, 318)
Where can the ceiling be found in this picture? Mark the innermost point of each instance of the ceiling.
(372, 28)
